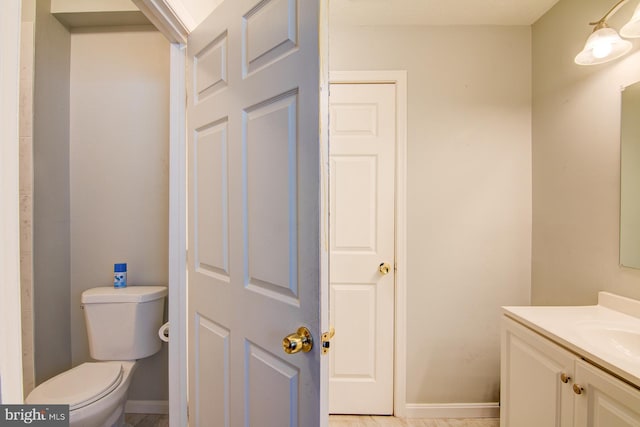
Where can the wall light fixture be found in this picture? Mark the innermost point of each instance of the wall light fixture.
(632, 28)
(604, 44)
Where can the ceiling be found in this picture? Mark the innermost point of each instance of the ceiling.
(438, 12)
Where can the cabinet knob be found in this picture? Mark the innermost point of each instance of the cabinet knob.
(577, 389)
(564, 378)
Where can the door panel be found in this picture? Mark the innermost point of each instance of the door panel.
(254, 203)
(270, 31)
(362, 158)
(211, 193)
(358, 361)
(281, 379)
(212, 341)
(354, 203)
(271, 198)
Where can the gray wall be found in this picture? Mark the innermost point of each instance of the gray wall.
(469, 197)
(27, 49)
(119, 159)
(51, 215)
(576, 150)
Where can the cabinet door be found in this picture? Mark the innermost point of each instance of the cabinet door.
(532, 392)
(604, 401)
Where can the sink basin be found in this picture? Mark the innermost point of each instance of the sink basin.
(612, 338)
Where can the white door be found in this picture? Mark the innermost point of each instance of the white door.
(254, 214)
(362, 206)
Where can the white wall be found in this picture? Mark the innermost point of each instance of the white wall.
(193, 12)
(119, 174)
(576, 149)
(469, 194)
(10, 339)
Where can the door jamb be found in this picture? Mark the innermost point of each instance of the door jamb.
(169, 23)
(399, 79)
(178, 415)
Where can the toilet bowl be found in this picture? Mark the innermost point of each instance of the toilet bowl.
(95, 392)
(122, 327)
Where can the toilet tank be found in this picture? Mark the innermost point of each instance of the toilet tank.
(123, 323)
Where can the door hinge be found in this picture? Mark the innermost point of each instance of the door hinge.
(326, 340)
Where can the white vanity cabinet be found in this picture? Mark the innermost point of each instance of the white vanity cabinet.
(532, 391)
(545, 385)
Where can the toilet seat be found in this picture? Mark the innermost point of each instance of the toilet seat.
(80, 386)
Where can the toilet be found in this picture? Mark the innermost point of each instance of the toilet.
(122, 327)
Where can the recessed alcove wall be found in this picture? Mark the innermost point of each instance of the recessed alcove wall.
(93, 179)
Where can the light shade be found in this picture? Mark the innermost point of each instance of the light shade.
(632, 28)
(603, 45)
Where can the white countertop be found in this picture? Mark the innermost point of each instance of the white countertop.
(607, 334)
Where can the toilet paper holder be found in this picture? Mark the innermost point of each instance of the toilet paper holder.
(163, 332)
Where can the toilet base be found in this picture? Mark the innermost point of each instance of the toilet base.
(108, 411)
(116, 419)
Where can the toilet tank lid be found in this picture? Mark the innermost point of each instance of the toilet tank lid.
(135, 294)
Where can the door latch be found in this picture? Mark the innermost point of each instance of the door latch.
(326, 340)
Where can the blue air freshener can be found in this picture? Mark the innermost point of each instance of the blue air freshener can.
(120, 275)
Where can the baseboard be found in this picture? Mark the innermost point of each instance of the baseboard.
(452, 410)
(147, 407)
(412, 410)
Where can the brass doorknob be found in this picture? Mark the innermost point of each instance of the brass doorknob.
(577, 389)
(384, 268)
(301, 340)
(565, 378)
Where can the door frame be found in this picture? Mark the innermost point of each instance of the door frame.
(178, 415)
(165, 18)
(399, 79)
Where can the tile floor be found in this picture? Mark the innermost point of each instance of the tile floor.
(146, 420)
(149, 420)
(372, 421)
